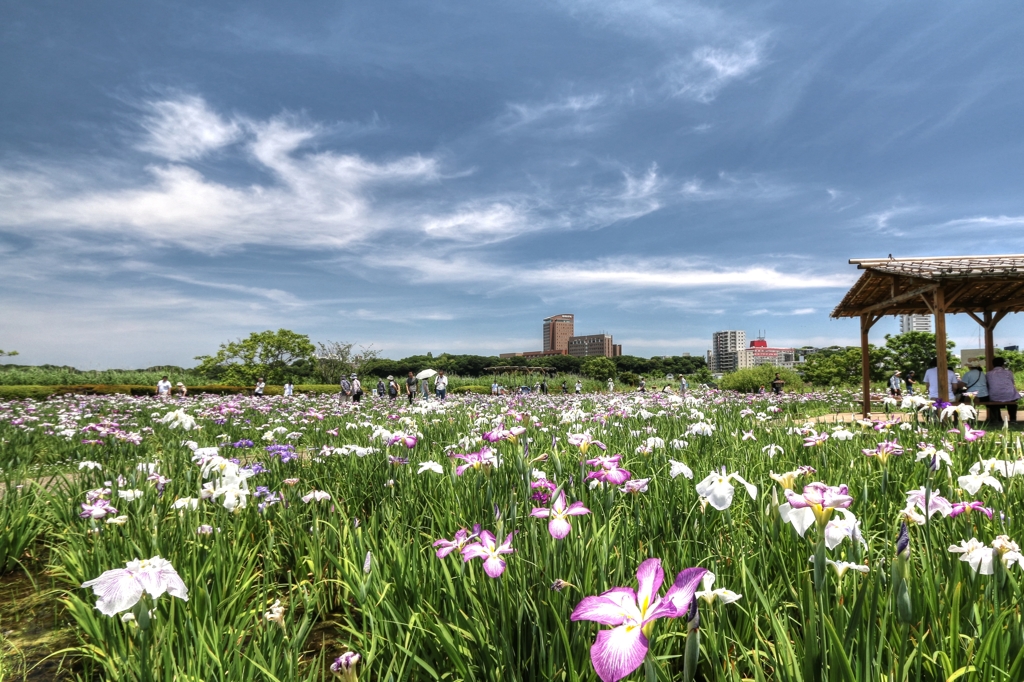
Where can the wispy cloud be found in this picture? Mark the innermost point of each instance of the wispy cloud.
(185, 128)
(707, 70)
(566, 114)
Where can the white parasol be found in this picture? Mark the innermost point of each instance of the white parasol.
(426, 374)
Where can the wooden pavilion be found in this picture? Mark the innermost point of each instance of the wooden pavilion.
(985, 287)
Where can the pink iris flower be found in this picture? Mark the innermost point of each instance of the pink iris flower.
(475, 460)
(402, 439)
(618, 652)
(488, 549)
(462, 536)
(609, 471)
(559, 512)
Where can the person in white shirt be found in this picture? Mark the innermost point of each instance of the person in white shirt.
(931, 378)
(494, 388)
(357, 388)
(611, 386)
(441, 385)
(289, 389)
(163, 388)
(579, 386)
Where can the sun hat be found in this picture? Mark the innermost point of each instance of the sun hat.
(180, 384)
(352, 376)
(390, 377)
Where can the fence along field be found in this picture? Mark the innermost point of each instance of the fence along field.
(229, 537)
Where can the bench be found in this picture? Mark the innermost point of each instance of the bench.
(988, 403)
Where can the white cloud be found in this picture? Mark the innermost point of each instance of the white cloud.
(568, 114)
(473, 222)
(987, 221)
(185, 128)
(703, 74)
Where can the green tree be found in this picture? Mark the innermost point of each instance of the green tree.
(913, 351)
(1014, 359)
(600, 368)
(334, 360)
(8, 353)
(842, 366)
(273, 355)
(702, 375)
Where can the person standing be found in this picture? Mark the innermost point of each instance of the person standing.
(289, 389)
(683, 385)
(494, 387)
(345, 395)
(895, 383)
(163, 388)
(544, 386)
(380, 388)
(579, 387)
(357, 388)
(441, 385)
(777, 384)
(425, 388)
(611, 385)
(392, 388)
(410, 386)
(565, 388)
(261, 384)
(1001, 389)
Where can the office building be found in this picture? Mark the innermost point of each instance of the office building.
(558, 329)
(760, 353)
(534, 354)
(915, 323)
(725, 346)
(594, 345)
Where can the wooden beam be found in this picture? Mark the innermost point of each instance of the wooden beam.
(990, 353)
(865, 365)
(952, 296)
(924, 298)
(939, 310)
(976, 318)
(913, 293)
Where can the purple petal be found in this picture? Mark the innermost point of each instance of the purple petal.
(559, 528)
(649, 576)
(618, 652)
(576, 509)
(494, 566)
(540, 512)
(601, 610)
(617, 476)
(680, 595)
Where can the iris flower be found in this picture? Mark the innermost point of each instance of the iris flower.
(488, 549)
(484, 457)
(609, 470)
(710, 595)
(618, 652)
(717, 489)
(679, 469)
(972, 483)
(884, 450)
(462, 536)
(967, 507)
(583, 441)
(121, 588)
(97, 509)
(815, 504)
(559, 514)
(788, 479)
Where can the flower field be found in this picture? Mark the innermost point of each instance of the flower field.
(712, 536)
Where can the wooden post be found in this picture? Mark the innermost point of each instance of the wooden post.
(940, 344)
(865, 361)
(990, 352)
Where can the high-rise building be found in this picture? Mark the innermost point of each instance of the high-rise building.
(725, 346)
(759, 353)
(558, 329)
(594, 345)
(915, 323)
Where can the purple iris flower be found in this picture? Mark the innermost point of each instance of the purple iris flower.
(244, 443)
(609, 470)
(967, 507)
(285, 452)
(488, 549)
(462, 536)
(398, 460)
(256, 468)
(97, 509)
(542, 490)
(559, 525)
(618, 652)
(484, 457)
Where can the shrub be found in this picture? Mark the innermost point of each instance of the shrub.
(750, 380)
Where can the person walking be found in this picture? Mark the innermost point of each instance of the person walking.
(683, 385)
(565, 388)
(357, 388)
(611, 385)
(392, 388)
(345, 395)
(777, 384)
(163, 388)
(261, 385)
(579, 387)
(544, 386)
(289, 389)
(1001, 389)
(441, 385)
(380, 388)
(410, 386)
(910, 381)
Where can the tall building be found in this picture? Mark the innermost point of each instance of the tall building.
(594, 345)
(558, 329)
(915, 323)
(725, 347)
(759, 353)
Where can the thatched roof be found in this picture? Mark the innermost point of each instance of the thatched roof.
(969, 284)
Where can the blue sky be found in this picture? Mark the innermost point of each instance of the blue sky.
(441, 176)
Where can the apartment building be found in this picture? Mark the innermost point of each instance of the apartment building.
(725, 346)
(915, 323)
(594, 345)
(558, 329)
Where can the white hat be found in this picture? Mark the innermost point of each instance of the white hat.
(390, 377)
